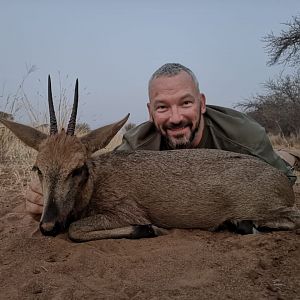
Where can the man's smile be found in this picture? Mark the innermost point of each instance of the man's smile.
(178, 131)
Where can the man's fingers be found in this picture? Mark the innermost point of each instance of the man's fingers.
(35, 186)
(34, 197)
(33, 209)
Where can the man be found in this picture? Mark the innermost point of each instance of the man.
(179, 118)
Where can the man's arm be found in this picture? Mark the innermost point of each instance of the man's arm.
(141, 137)
(124, 146)
(268, 154)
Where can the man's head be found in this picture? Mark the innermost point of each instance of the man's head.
(176, 105)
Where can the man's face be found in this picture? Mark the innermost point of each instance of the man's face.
(176, 107)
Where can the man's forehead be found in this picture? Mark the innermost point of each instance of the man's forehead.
(171, 84)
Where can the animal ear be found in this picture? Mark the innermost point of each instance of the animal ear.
(100, 138)
(30, 136)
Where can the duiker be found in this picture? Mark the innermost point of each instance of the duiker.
(143, 193)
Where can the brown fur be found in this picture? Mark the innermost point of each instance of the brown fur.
(108, 195)
(197, 188)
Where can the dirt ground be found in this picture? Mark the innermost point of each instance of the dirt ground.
(183, 265)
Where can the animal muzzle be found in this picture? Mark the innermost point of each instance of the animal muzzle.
(50, 224)
(50, 228)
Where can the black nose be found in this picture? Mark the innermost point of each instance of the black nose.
(50, 229)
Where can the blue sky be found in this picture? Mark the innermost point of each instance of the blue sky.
(113, 47)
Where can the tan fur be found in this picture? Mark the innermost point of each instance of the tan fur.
(170, 189)
(197, 188)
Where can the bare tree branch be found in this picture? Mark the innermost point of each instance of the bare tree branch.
(285, 48)
(278, 109)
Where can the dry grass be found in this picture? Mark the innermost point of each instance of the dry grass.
(12, 150)
(279, 141)
(18, 158)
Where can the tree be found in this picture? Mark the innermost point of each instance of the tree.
(82, 128)
(285, 48)
(278, 109)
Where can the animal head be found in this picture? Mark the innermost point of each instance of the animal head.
(62, 163)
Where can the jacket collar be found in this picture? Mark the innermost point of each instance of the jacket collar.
(143, 137)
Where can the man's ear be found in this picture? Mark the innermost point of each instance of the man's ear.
(202, 103)
(28, 135)
(149, 112)
(100, 138)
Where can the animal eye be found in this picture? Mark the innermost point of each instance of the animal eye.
(77, 172)
(36, 169)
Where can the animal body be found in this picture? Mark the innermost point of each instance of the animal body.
(144, 193)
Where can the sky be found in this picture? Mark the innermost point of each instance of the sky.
(113, 47)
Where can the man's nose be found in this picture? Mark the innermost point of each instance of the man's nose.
(175, 116)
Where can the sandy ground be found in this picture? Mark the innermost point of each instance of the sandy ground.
(183, 265)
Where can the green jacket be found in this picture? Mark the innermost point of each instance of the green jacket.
(225, 129)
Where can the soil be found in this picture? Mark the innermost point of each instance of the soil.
(186, 264)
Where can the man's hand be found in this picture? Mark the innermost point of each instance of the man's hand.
(34, 199)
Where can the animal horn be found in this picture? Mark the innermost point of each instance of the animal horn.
(72, 122)
(53, 123)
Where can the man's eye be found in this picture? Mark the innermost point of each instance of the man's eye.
(161, 108)
(187, 103)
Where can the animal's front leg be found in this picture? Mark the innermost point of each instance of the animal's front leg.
(106, 227)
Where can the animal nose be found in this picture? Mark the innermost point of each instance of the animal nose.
(50, 228)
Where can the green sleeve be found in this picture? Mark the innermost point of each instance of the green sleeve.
(265, 151)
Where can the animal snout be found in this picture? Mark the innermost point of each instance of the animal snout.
(50, 228)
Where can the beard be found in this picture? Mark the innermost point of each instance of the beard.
(180, 141)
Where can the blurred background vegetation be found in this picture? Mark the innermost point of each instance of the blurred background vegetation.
(278, 109)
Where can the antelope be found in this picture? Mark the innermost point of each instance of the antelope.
(145, 193)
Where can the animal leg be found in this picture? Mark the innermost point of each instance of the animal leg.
(287, 219)
(102, 227)
(240, 227)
